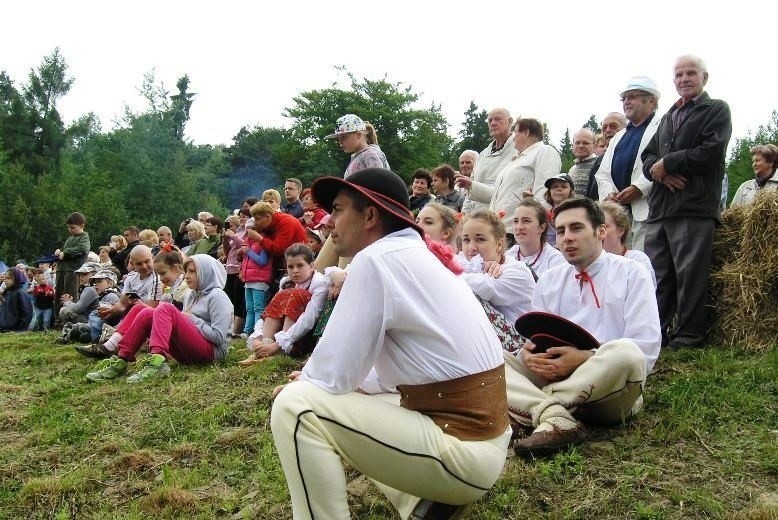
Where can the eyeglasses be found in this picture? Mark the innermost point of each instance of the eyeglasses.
(629, 96)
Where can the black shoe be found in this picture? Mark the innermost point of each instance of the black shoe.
(94, 350)
(676, 345)
(429, 510)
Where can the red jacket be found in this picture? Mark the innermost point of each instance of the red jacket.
(283, 231)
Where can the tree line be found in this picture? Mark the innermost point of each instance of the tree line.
(145, 172)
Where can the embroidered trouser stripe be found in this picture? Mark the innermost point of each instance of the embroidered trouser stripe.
(607, 388)
(403, 451)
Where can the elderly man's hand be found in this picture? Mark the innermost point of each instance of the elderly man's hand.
(674, 182)
(658, 171)
(628, 195)
(463, 181)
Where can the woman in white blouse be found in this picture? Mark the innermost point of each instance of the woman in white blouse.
(530, 225)
(503, 285)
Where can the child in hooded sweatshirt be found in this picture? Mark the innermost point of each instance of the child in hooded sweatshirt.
(198, 334)
(15, 308)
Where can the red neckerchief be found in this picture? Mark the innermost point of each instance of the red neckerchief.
(584, 277)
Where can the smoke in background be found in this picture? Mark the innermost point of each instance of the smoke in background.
(250, 181)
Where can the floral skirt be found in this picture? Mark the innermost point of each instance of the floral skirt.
(510, 340)
(288, 302)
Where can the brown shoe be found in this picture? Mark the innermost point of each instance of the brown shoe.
(548, 442)
(94, 350)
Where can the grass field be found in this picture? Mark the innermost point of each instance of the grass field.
(197, 445)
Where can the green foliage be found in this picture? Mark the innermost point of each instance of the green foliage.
(593, 124)
(141, 173)
(739, 169)
(474, 134)
(566, 151)
(411, 137)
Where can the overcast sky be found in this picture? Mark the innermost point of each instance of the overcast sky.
(557, 61)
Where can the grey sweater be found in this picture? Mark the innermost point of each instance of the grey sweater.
(209, 306)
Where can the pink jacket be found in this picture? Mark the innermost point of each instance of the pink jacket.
(251, 271)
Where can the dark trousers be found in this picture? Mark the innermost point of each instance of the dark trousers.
(67, 283)
(680, 250)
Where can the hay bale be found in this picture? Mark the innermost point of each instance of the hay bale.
(744, 279)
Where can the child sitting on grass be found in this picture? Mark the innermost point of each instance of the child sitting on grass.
(196, 335)
(15, 306)
(293, 311)
(168, 271)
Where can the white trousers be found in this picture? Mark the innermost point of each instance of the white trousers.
(607, 388)
(403, 451)
(637, 233)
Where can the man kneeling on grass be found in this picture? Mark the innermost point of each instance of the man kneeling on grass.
(613, 299)
(440, 443)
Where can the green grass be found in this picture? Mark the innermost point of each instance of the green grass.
(197, 445)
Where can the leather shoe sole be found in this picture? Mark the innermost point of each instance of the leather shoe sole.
(429, 510)
(548, 442)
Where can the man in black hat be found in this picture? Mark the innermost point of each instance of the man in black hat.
(440, 442)
(610, 297)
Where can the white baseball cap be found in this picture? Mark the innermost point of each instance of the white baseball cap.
(643, 83)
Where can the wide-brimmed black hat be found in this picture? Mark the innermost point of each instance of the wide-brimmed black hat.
(547, 330)
(383, 187)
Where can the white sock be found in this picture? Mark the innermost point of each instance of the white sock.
(113, 342)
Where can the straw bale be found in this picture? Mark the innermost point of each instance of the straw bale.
(744, 280)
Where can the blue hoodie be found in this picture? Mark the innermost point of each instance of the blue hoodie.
(209, 306)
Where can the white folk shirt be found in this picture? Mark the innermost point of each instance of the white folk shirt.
(407, 317)
(640, 257)
(318, 287)
(511, 293)
(546, 258)
(628, 308)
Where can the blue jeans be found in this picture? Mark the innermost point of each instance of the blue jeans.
(41, 318)
(255, 306)
(95, 325)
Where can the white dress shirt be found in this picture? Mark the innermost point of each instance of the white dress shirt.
(627, 310)
(640, 257)
(403, 313)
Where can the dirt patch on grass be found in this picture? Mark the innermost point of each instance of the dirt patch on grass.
(136, 461)
(171, 499)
